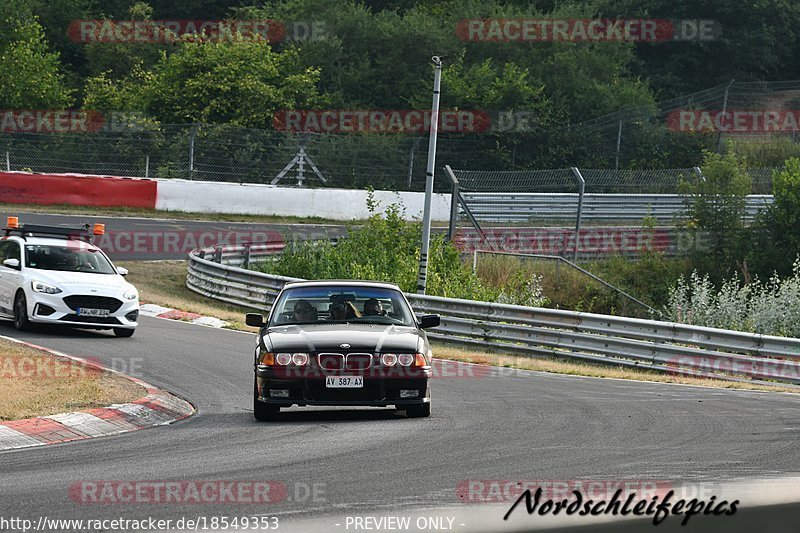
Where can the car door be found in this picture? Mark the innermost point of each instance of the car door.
(8, 279)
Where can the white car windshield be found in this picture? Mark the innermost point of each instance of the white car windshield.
(330, 304)
(67, 259)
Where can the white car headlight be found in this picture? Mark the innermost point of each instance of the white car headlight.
(40, 286)
(130, 294)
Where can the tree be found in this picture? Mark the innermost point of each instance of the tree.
(30, 75)
(716, 205)
(241, 82)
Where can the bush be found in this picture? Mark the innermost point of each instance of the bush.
(387, 248)
(771, 308)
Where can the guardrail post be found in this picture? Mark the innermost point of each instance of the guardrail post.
(581, 187)
(246, 258)
(218, 254)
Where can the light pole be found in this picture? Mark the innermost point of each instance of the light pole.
(426, 215)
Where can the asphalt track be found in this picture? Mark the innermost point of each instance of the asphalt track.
(515, 426)
(338, 462)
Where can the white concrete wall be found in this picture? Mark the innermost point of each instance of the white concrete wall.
(337, 204)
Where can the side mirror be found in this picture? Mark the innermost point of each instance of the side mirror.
(429, 321)
(122, 271)
(254, 319)
(12, 263)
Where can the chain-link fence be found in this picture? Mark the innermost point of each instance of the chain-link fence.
(234, 154)
(635, 150)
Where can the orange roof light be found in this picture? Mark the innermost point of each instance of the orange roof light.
(99, 229)
(13, 222)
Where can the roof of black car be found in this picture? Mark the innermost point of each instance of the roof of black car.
(340, 282)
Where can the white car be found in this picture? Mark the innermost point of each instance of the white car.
(55, 275)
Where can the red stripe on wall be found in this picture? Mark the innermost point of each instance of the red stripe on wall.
(48, 189)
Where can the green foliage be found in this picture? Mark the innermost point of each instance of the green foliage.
(241, 82)
(387, 248)
(771, 308)
(786, 189)
(716, 206)
(30, 74)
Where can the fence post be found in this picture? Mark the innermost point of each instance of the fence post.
(451, 230)
(581, 187)
(195, 128)
(411, 161)
(724, 111)
(8, 162)
(147, 166)
(218, 254)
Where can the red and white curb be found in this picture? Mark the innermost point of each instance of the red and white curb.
(157, 408)
(184, 316)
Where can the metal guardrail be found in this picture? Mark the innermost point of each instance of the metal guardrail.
(518, 208)
(649, 344)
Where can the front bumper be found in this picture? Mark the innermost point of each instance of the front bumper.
(378, 391)
(52, 309)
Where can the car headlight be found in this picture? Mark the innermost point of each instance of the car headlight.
(405, 359)
(130, 294)
(300, 358)
(40, 286)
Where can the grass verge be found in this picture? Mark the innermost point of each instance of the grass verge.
(164, 283)
(36, 383)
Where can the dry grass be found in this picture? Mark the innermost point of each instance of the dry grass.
(164, 283)
(560, 366)
(36, 383)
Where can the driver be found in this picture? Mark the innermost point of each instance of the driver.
(304, 311)
(373, 307)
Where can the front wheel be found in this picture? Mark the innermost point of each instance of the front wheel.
(418, 411)
(124, 332)
(21, 321)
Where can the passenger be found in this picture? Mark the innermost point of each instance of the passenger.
(373, 307)
(304, 311)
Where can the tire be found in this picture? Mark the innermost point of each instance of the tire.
(124, 332)
(21, 321)
(262, 411)
(419, 411)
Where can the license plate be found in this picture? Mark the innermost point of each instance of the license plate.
(344, 382)
(85, 311)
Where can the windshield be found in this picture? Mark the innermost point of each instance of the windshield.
(331, 304)
(67, 259)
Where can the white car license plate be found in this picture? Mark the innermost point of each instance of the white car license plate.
(85, 311)
(344, 382)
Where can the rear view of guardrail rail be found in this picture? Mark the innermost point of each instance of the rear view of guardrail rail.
(649, 344)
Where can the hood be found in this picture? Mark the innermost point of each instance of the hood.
(83, 279)
(367, 338)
